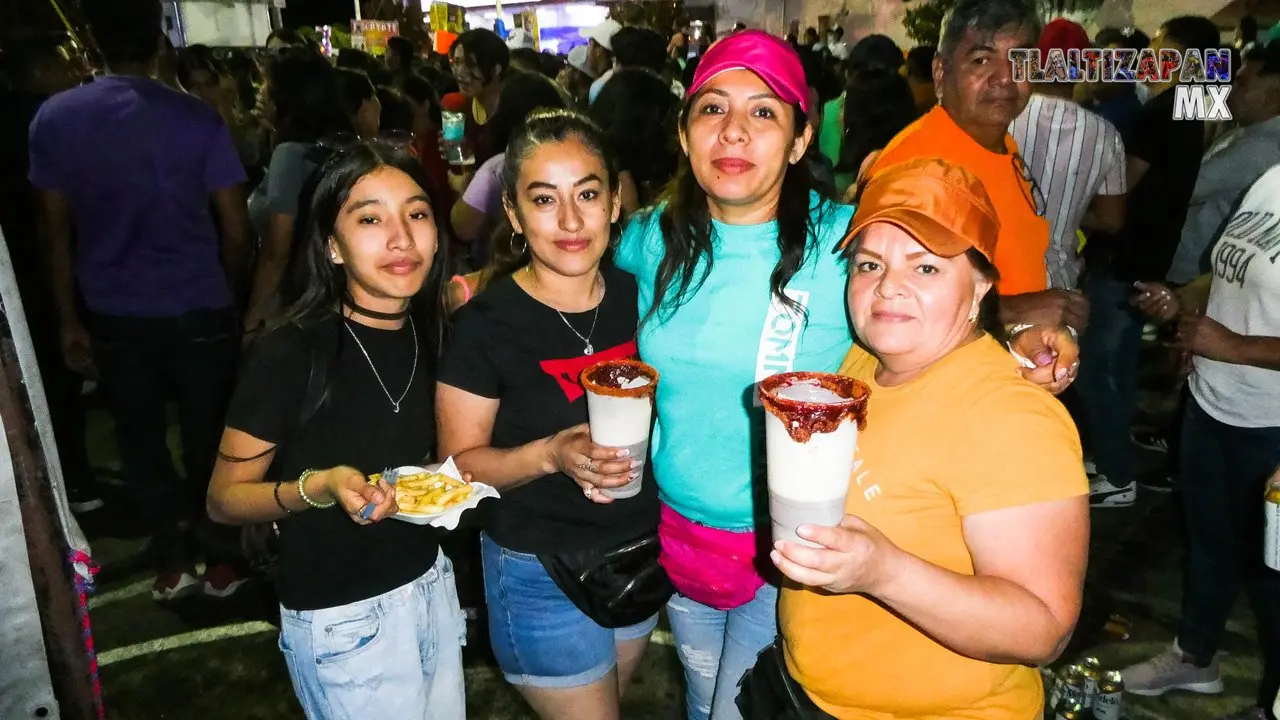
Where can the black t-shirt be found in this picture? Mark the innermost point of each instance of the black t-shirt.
(326, 559)
(1157, 205)
(512, 348)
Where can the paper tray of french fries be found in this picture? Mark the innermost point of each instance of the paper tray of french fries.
(435, 495)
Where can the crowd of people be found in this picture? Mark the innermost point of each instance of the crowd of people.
(280, 247)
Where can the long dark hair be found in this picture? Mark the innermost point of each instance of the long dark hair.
(878, 105)
(321, 286)
(542, 127)
(687, 230)
(523, 93)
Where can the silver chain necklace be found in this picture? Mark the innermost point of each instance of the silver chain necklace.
(594, 316)
(395, 404)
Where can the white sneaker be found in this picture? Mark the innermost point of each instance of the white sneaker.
(171, 586)
(1090, 468)
(1103, 494)
(1170, 671)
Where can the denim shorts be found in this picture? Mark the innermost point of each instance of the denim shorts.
(397, 655)
(540, 638)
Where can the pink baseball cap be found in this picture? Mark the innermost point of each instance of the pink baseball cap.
(771, 58)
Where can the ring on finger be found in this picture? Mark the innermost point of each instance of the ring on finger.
(588, 491)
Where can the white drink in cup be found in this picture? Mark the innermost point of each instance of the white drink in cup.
(620, 410)
(811, 436)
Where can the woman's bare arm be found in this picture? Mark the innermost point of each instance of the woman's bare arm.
(464, 423)
(237, 494)
(1021, 604)
(273, 260)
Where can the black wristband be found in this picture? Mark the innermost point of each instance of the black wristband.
(280, 502)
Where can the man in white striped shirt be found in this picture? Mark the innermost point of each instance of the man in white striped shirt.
(1075, 157)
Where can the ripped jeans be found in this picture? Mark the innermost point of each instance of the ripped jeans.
(717, 647)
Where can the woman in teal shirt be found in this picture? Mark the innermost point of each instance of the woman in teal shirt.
(737, 282)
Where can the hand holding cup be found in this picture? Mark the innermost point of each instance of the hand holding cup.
(593, 467)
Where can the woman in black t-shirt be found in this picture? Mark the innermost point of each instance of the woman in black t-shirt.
(340, 389)
(511, 410)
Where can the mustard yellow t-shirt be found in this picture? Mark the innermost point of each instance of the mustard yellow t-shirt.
(968, 436)
(1024, 235)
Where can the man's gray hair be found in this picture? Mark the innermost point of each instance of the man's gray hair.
(988, 18)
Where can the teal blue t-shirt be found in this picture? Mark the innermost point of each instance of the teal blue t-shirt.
(708, 443)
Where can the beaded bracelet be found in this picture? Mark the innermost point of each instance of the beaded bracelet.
(280, 502)
(302, 493)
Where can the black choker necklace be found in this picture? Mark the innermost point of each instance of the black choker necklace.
(374, 313)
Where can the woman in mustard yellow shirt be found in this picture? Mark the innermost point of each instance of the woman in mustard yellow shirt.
(960, 562)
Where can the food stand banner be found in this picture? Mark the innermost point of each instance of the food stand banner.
(449, 18)
(371, 35)
(447, 22)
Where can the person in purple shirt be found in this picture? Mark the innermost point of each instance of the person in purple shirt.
(131, 169)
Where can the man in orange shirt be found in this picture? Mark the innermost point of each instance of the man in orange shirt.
(978, 100)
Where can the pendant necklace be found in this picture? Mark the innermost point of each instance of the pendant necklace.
(588, 348)
(395, 404)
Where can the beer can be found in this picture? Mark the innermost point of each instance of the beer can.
(1106, 705)
(1091, 671)
(1055, 694)
(1271, 543)
(1068, 711)
(1069, 689)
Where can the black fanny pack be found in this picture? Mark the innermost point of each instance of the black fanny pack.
(617, 587)
(768, 692)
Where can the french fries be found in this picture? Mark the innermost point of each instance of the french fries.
(428, 493)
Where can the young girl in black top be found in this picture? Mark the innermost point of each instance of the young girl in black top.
(342, 388)
(512, 411)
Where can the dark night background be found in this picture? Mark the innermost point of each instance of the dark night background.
(319, 12)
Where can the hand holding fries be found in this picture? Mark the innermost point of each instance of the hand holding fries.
(428, 493)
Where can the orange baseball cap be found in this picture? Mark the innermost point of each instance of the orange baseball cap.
(940, 204)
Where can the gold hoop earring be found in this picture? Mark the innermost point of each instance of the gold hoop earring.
(523, 248)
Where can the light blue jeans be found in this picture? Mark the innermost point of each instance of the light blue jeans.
(397, 655)
(717, 647)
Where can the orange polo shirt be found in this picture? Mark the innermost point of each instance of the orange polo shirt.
(1024, 236)
(968, 436)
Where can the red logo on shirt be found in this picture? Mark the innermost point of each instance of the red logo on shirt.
(568, 372)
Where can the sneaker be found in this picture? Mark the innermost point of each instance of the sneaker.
(1090, 468)
(1150, 441)
(1170, 671)
(82, 500)
(1253, 713)
(1103, 494)
(174, 585)
(222, 581)
(1159, 482)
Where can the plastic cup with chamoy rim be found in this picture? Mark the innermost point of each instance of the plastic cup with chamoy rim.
(811, 436)
(620, 413)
